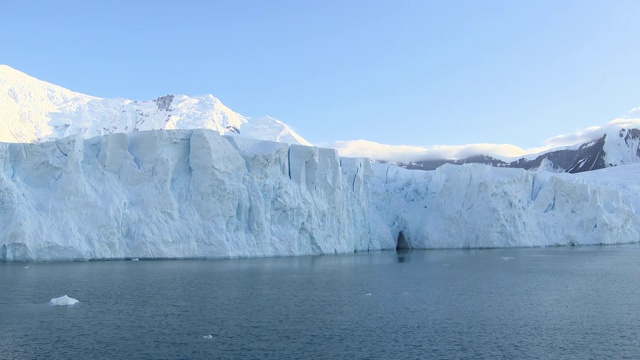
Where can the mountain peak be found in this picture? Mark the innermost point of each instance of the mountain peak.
(34, 110)
(16, 77)
(6, 69)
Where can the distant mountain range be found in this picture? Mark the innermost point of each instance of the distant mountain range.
(612, 149)
(32, 110)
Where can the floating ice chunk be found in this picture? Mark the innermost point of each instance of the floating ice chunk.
(507, 258)
(135, 259)
(63, 301)
(26, 267)
(208, 336)
(367, 294)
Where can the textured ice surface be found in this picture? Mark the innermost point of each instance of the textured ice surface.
(196, 194)
(63, 301)
(179, 194)
(475, 206)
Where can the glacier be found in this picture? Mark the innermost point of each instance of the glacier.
(179, 194)
(197, 194)
(479, 206)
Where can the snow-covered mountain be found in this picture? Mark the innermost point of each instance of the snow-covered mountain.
(196, 194)
(33, 110)
(612, 148)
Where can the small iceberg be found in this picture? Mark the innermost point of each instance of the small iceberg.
(63, 301)
(506, 258)
(208, 336)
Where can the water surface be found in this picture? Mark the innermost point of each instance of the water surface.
(545, 303)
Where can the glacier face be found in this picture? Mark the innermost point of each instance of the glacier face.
(179, 194)
(196, 194)
(477, 206)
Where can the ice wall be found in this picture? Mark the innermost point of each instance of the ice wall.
(476, 206)
(196, 194)
(178, 194)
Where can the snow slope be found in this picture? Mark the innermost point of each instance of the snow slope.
(622, 147)
(196, 194)
(33, 110)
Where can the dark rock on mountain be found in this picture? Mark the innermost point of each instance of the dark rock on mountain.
(586, 157)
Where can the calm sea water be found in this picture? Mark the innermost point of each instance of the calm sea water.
(548, 303)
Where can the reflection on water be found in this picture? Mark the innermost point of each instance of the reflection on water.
(403, 255)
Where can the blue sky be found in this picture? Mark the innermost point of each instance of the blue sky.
(396, 72)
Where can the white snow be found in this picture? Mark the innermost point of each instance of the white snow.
(33, 110)
(63, 301)
(621, 148)
(194, 193)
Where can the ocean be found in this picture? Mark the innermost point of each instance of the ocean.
(539, 303)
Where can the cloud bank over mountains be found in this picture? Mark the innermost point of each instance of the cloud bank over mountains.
(594, 132)
(410, 153)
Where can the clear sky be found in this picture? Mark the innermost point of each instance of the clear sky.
(396, 72)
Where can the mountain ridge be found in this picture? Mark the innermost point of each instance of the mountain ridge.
(34, 110)
(611, 149)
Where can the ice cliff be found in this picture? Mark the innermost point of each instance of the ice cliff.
(478, 206)
(179, 194)
(196, 194)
